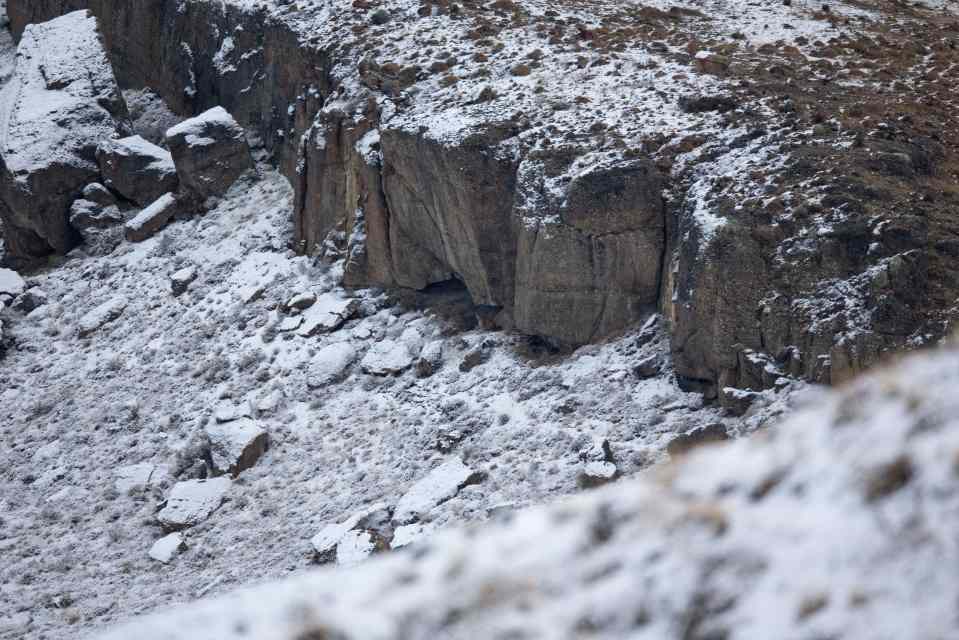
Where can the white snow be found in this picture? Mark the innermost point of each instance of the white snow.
(192, 501)
(11, 283)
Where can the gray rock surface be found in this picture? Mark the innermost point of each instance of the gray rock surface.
(210, 152)
(236, 445)
(152, 219)
(138, 170)
(192, 501)
(62, 101)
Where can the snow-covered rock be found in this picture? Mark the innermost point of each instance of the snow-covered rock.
(301, 301)
(98, 225)
(192, 501)
(328, 313)
(152, 219)
(138, 170)
(237, 445)
(331, 363)
(210, 152)
(11, 284)
(61, 102)
(166, 547)
(181, 279)
(441, 484)
(103, 314)
(354, 547)
(387, 357)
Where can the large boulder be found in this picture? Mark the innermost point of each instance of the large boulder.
(210, 152)
(62, 101)
(138, 170)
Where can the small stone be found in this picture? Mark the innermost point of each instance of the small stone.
(30, 299)
(166, 547)
(289, 323)
(180, 280)
(236, 446)
(326, 541)
(101, 315)
(192, 501)
(596, 474)
(228, 412)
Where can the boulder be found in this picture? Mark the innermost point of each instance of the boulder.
(301, 301)
(96, 192)
(331, 364)
(152, 219)
(389, 357)
(236, 446)
(62, 101)
(138, 170)
(192, 501)
(166, 547)
(438, 486)
(210, 152)
(326, 543)
(144, 474)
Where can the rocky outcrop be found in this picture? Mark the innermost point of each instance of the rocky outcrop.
(551, 211)
(61, 103)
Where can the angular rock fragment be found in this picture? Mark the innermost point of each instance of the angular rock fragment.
(166, 547)
(98, 225)
(441, 484)
(228, 412)
(328, 314)
(30, 299)
(210, 152)
(236, 446)
(180, 280)
(330, 364)
(648, 368)
(101, 315)
(289, 323)
(62, 101)
(192, 501)
(407, 534)
(152, 219)
(138, 170)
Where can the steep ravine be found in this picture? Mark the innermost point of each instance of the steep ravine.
(558, 227)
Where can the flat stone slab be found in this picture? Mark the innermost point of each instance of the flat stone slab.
(330, 364)
(388, 357)
(152, 219)
(192, 501)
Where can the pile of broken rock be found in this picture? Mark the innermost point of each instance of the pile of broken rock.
(70, 169)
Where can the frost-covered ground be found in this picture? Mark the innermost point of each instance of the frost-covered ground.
(79, 412)
(843, 522)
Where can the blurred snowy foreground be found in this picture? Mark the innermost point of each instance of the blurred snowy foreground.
(843, 522)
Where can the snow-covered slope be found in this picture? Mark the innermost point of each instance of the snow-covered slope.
(843, 522)
(106, 389)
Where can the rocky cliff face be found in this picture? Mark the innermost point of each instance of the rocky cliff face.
(581, 167)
